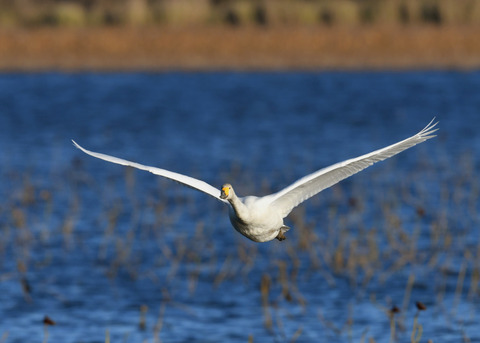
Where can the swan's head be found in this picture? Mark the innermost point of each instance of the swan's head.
(226, 192)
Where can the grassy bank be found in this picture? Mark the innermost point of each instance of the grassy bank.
(249, 48)
(236, 12)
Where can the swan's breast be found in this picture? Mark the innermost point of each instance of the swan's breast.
(261, 224)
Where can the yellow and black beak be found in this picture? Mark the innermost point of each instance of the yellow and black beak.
(224, 193)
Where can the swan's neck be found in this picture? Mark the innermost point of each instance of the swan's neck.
(239, 207)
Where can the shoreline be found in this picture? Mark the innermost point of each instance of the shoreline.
(222, 48)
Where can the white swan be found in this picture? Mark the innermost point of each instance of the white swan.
(261, 218)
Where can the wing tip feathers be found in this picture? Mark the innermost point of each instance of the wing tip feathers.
(428, 130)
(76, 145)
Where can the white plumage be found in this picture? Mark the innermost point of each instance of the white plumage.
(261, 218)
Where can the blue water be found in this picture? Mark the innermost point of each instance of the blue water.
(88, 243)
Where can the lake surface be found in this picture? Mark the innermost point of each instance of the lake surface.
(110, 253)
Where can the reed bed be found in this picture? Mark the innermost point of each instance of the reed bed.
(383, 244)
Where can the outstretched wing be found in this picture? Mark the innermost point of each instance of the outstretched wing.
(183, 179)
(308, 186)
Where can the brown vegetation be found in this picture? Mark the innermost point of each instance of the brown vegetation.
(219, 48)
(236, 12)
(238, 34)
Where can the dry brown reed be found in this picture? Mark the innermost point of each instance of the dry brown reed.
(417, 329)
(47, 321)
(392, 316)
(142, 324)
(159, 324)
(265, 293)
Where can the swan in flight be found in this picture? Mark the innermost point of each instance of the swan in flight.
(261, 218)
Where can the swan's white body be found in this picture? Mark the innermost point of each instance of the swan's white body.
(261, 218)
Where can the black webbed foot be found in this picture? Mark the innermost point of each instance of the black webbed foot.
(281, 236)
